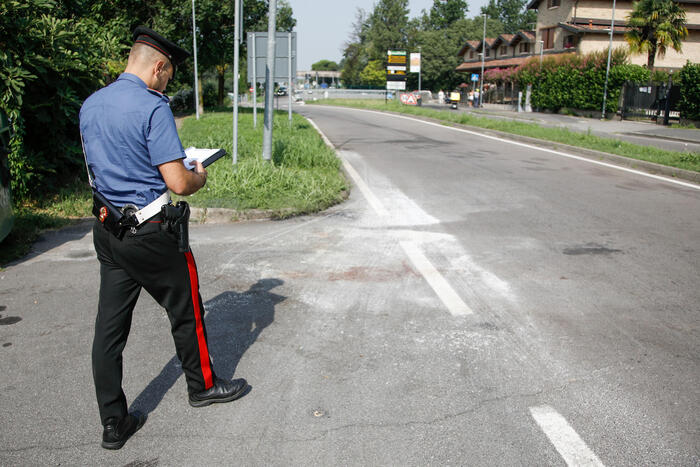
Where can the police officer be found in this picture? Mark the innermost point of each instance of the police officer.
(134, 156)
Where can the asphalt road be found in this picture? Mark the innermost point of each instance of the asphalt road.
(474, 302)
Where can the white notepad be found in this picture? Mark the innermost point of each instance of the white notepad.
(204, 155)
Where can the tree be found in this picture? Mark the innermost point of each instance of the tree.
(374, 73)
(445, 12)
(512, 13)
(355, 50)
(655, 26)
(388, 28)
(324, 65)
(440, 47)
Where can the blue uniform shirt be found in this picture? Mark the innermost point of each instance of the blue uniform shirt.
(128, 130)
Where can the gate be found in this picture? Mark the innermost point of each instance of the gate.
(650, 101)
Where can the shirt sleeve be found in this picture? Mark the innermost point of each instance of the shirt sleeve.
(162, 139)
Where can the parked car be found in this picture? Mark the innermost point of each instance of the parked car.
(6, 217)
(281, 91)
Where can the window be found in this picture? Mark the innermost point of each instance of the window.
(488, 53)
(504, 50)
(553, 3)
(548, 38)
(570, 42)
(524, 47)
(471, 54)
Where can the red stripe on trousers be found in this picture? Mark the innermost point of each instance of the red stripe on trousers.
(203, 351)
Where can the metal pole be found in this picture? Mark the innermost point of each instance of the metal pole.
(237, 32)
(420, 66)
(289, 87)
(255, 86)
(269, 81)
(483, 59)
(541, 51)
(196, 83)
(607, 70)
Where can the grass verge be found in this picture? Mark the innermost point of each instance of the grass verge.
(303, 177)
(681, 160)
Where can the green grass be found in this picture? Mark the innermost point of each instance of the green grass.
(682, 160)
(303, 177)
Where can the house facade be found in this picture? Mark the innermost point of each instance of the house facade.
(576, 26)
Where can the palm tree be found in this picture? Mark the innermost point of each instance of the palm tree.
(654, 26)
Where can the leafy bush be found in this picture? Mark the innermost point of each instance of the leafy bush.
(577, 81)
(48, 66)
(182, 101)
(690, 91)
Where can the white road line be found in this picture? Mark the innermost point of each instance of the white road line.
(529, 146)
(369, 196)
(566, 441)
(441, 287)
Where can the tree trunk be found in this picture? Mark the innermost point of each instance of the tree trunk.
(650, 58)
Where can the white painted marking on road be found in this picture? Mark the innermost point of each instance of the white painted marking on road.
(529, 146)
(369, 196)
(564, 438)
(441, 287)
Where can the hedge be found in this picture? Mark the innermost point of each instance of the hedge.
(690, 91)
(577, 81)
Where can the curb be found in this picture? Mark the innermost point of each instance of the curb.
(649, 167)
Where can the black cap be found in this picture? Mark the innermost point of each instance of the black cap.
(144, 35)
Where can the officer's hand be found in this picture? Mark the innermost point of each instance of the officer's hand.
(201, 171)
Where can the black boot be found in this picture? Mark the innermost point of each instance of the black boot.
(116, 431)
(222, 391)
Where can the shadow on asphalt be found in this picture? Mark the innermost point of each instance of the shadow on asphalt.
(234, 322)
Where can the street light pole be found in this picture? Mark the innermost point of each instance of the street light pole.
(196, 83)
(483, 59)
(607, 69)
(420, 65)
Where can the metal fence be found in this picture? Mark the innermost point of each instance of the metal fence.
(650, 101)
(506, 93)
(332, 93)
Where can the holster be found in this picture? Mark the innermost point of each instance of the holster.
(115, 221)
(177, 220)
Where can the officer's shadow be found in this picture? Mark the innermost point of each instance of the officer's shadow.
(234, 321)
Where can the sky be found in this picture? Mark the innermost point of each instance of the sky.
(323, 27)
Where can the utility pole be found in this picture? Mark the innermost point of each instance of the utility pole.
(255, 85)
(607, 70)
(196, 83)
(290, 87)
(420, 66)
(270, 81)
(237, 33)
(483, 59)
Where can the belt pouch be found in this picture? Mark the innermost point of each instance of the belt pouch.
(107, 214)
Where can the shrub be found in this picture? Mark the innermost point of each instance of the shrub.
(689, 77)
(578, 81)
(48, 66)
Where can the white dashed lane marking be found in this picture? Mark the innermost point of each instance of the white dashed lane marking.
(566, 441)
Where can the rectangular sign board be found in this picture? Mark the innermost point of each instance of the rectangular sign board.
(396, 85)
(396, 67)
(415, 63)
(257, 41)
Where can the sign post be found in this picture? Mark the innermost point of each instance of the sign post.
(396, 70)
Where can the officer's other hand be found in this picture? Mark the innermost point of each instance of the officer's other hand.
(201, 171)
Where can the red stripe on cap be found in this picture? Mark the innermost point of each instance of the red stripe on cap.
(201, 341)
(154, 46)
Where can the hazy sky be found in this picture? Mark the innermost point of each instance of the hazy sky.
(323, 26)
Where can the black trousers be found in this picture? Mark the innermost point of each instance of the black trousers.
(146, 259)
